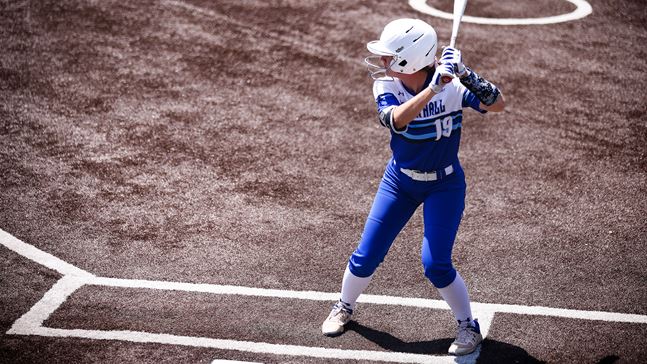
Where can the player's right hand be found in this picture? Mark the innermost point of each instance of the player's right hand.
(443, 75)
(453, 57)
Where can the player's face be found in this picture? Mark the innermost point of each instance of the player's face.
(387, 62)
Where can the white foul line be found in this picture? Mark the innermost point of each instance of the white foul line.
(32, 253)
(74, 278)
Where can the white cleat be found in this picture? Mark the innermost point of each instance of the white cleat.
(468, 339)
(339, 316)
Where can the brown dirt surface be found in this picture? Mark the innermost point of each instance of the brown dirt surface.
(236, 143)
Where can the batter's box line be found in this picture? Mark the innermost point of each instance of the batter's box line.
(31, 323)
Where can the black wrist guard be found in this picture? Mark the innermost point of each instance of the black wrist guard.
(484, 90)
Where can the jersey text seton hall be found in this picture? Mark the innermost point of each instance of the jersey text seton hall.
(432, 108)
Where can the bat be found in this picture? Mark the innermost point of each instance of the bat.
(459, 9)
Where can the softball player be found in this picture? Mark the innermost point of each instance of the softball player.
(420, 100)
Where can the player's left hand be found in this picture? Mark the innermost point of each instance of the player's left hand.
(443, 75)
(453, 57)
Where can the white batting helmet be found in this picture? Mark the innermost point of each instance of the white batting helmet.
(411, 43)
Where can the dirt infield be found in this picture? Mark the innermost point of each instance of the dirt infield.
(236, 143)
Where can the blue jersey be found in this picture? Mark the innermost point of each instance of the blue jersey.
(430, 142)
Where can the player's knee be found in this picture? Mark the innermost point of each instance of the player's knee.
(441, 274)
(363, 265)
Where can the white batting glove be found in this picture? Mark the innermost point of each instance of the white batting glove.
(452, 56)
(443, 75)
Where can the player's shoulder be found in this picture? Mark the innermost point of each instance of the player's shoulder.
(384, 85)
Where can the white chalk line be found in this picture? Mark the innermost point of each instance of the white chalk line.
(246, 346)
(582, 10)
(366, 298)
(32, 253)
(50, 302)
(74, 278)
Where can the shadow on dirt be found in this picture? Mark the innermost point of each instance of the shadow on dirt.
(492, 351)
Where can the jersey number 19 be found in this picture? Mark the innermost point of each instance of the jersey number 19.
(444, 127)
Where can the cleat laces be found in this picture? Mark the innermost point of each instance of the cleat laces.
(340, 313)
(466, 334)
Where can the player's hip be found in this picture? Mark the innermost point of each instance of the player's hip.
(418, 183)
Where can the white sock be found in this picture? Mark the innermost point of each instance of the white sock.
(352, 286)
(457, 298)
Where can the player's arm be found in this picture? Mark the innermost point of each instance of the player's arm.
(489, 95)
(405, 113)
(498, 106)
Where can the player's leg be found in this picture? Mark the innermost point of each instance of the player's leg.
(391, 210)
(389, 214)
(442, 213)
